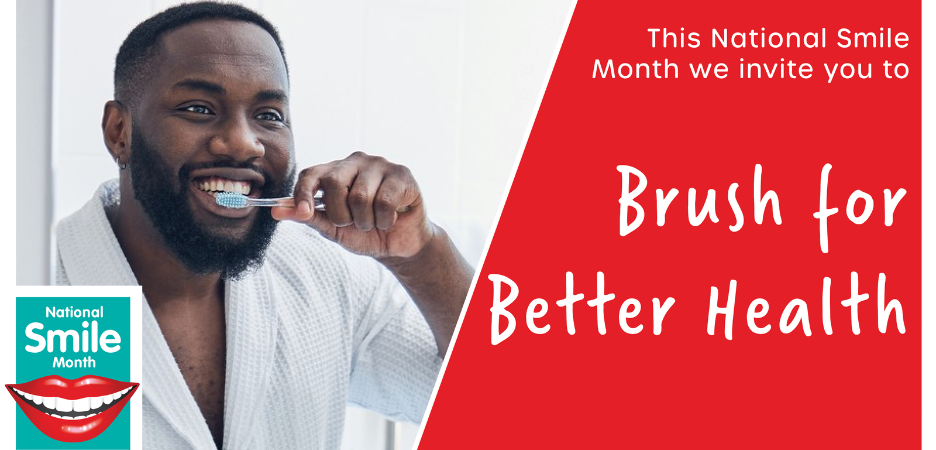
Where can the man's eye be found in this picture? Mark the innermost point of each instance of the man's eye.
(198, 109)
(271, 116)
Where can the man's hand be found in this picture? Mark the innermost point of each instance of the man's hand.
(372, 206)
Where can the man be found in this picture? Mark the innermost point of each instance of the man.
(256, 336)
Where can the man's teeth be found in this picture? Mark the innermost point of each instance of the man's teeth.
(215, 184)
(81, 405)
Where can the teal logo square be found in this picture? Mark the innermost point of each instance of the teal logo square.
(73, 337)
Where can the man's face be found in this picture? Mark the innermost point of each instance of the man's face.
(213, 117)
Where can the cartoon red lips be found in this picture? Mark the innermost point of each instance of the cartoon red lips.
(72, 410)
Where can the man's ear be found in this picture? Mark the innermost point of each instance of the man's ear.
(117, 125)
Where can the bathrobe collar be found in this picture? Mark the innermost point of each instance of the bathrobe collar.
(91, 255)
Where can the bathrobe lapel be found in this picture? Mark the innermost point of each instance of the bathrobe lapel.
(251, 337)
(91, 256)
(168, 392)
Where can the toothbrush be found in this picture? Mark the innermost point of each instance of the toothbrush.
(238, 201)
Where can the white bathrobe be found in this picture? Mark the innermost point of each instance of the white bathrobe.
(313, 329)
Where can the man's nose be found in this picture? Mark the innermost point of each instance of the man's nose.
(236, 140)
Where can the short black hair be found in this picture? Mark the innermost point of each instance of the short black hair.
(140, 47)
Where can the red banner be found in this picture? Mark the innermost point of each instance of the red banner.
(776, 198)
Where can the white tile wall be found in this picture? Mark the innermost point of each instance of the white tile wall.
(410, 97)
(446, 87)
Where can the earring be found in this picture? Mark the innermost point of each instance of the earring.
(122, 166)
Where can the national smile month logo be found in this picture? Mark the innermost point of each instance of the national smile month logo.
(76, 351)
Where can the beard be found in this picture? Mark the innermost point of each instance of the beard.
(164, 197)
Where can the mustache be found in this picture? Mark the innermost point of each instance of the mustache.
(189, 168)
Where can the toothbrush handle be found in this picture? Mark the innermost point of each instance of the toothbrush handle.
(288, 202)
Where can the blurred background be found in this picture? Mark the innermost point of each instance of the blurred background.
(446, 87)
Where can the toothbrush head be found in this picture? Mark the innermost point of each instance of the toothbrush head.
(231, 200)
